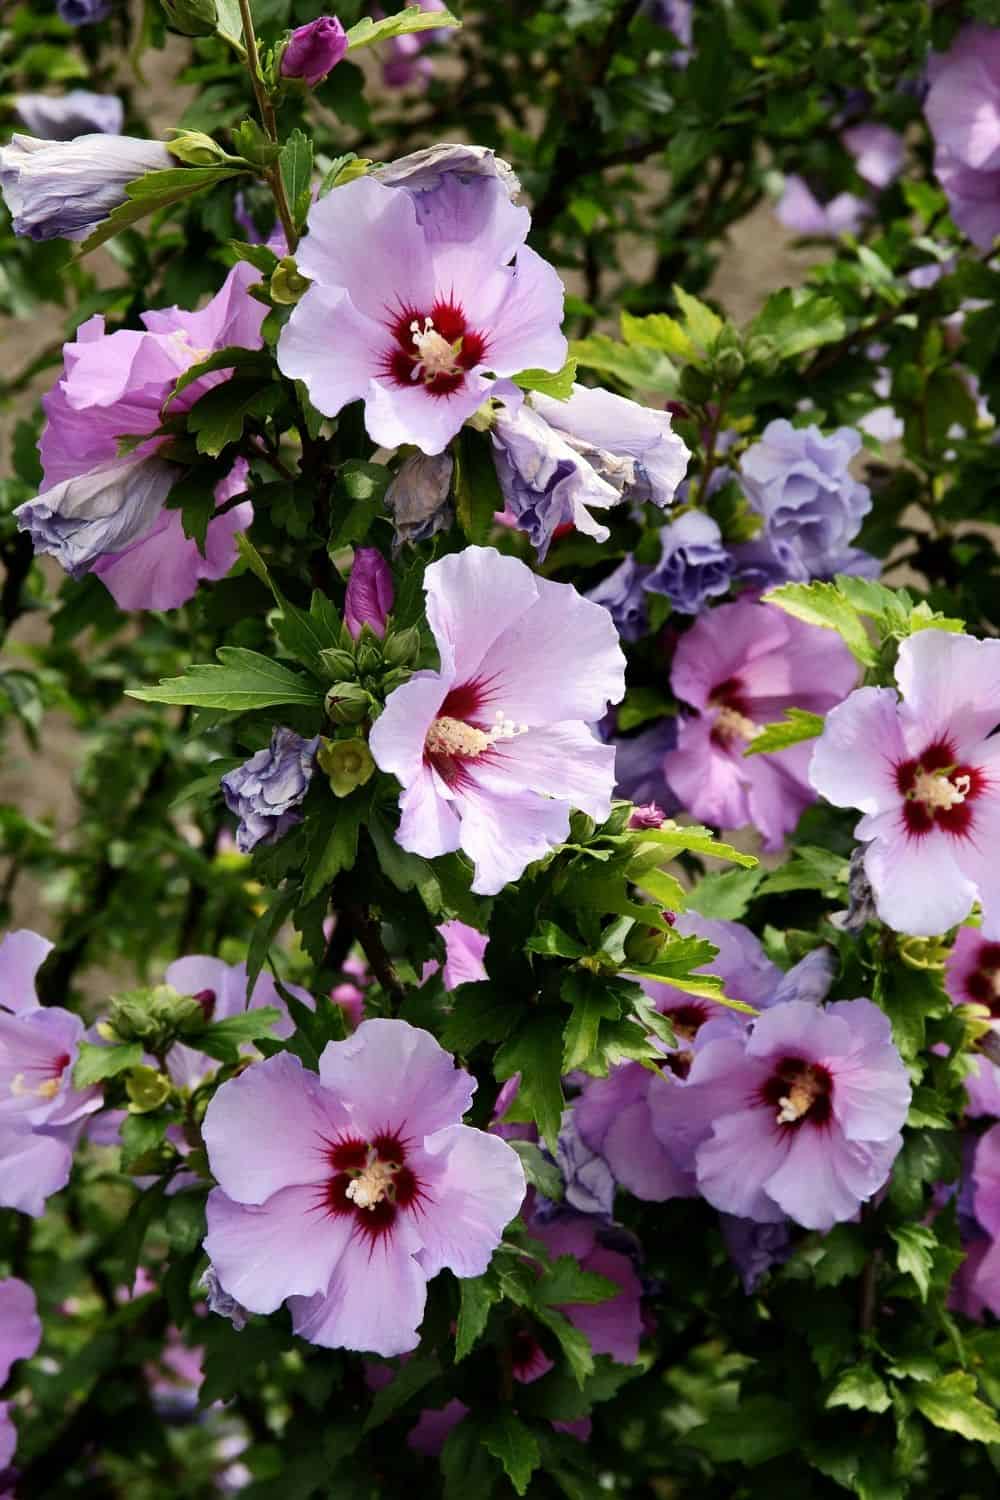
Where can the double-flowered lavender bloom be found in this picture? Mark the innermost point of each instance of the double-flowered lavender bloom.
(495, 748)
(63, 189)
(623, 596)
(362, 1185)
(963, 111)
(314, 50)
(267, 791)
(558, 460)
(20, 1336)
(416, 308)
(694, 566)
(101, 513)
(799, 482)
(740, 666)
(921, 764)
(60, 117)
(41, 1112)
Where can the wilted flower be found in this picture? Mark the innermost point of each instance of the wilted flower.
(494, 748)
(60, 117)
(694, 566)
(453, 188)
(369, 592)
(920, 766)
(267, 791)
(799, 1117)
(314, 50)
(363, 1184)
(410, 321)
(741, 665)
(99, 512)
(41, 1112)
(63, 189)
(417, 498)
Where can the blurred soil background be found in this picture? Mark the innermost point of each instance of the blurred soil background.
(760, 257)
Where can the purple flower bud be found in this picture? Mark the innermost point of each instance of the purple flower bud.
(647, 815)
(102, 511)
(267, 790)
(60, 117)
(314, 50)
(63, 189)
(83, 12)
(369, 592)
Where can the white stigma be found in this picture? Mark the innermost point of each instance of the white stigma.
(455, 738)
(734, 725)
(938, 792)
(437, 356)
(800, 1098)
(371, 1185)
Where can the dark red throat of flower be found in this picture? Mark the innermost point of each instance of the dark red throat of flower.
(937, 791)
(799, 1092)
(371, 1181)
(206, 999)
(983, 984)
(434, 347)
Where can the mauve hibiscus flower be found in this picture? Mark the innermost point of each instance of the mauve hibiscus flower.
(922, 766)
(495, 748)
(41, 1113)
(741, 666)
(20, 1327)
(414, 316)
(102, 513)
(362, 1185)
(801, 1117)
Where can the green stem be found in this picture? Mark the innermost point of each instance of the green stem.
(266, 110)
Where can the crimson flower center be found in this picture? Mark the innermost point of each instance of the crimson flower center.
(41, 1079)
(371, 1181)
(463, 731)
(983, 984)
(436, 348)
(798, 1090)
(937, 791)
(732, 723)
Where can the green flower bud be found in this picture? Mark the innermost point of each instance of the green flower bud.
(347, 703)
(728, 365)
(763, 355)
(191, 17)
(645, 944)
(148, 1089)
(340, 665)
(196, 149)
(369, 655)
(156, 1017)
(581, 828)
(348, 764)
(287, 282)
(402, 647)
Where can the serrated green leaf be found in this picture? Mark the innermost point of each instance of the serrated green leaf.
(235, 358)
(243, 680)
(94, 1063)
(258, 256)
(593, 1001)
(140, 1134)
(658, 331)
(551, 941)
(725, 895)
(477, 489)
(639, 368)
(952, 1403)
(218, 418)
(480, 1012)
(565, 1282)
(558, 384)
(760, 1428)
(295, 165)
(515, 1445)
(860, 1389)
(332, 839)
(703, 325)
(693, 840)
(539, 1171)
(797, 725)
(915, 1246)
(798, 320)
(573, 1342)
(535, 1051)
(410, 1378)
(223, 1039)
(477, 1294)
(823, 604)
(402, 23)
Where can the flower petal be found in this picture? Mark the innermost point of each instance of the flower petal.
(288, 1246)
(375, 1300)
(392, 1076)
(475, 1186)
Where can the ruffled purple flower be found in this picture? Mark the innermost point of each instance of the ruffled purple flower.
(61, 117)
(495, 748)
(647, 815)
(267, 791)
(369, 592)
(453, 187)
(963, 112)
(418, 322)
(83, 12)
(63, 189)
(99, 512)
(639, 765)
(363, 1184)
(801, 211)
(41, 1111)
(614, 1118)
(755, 1249)
(589, 1184)
(314, 50)
(20, 1325)
(878, 151)
(801, 1117)
(740, 666)
(799, 482)
(694, 566)
(921, 766)
(622, 595)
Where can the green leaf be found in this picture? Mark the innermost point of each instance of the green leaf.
(549, 939)
(217, 419)
(574, 1343)
(295, 165)
(915, 1246)
(259, 256)
(364, 485)
(558, 384)
(477, 1294)
(824, 604)
(658, 331)
(402, 23)
(480, 1012)
(639, 368)
(343, 169)
(798, 320)
(797, 725)
(842, 1254)
(185, 1221)
(157, 190)
(477, 488)
(236, 358)
(94, 1064)
(467, 1469)
(810, 868)
(693, 840)
(726, 895)
(540, 1172)
(860, 1389)
(332, 839)
(133, 1235)
(266, 929)
(593, 1001)
(702, 324)
(515, 1445)
(535, 1051)
(139, 1135)
(666, 889)
(244, 680)
(223, 1039)
(408, 1380)
(952, 1404)
(565, 1282)
(758, 1429)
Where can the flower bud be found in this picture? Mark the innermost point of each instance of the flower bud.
(347, 703)
(762, 354)
(191, 17)
(287, 282)
(156, 1017)
(147, 1089)
(348, 764)
(369, 654)
(402, 647)
(63, 189)
(196, 149)
(369, 592)
(645, 944)
(313, 50)
(340, 665)
(646, 815)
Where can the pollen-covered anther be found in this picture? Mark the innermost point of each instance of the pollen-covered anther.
(938, 792)
(372, 1185)
(801, 1097)
(437, 356)
(454, 738)
(734, 725)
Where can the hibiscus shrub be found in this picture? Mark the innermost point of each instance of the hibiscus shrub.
(512, 1005)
